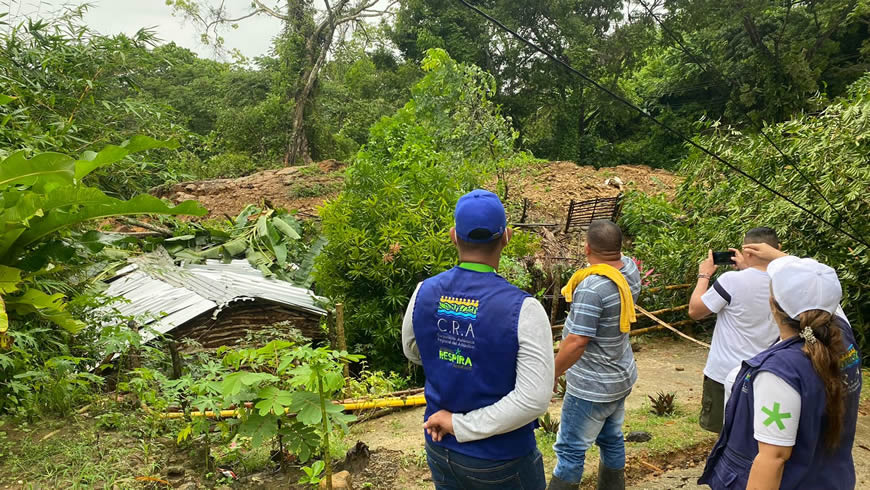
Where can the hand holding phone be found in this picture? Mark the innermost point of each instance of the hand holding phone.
(724, 258)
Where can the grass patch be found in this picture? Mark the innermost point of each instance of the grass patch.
(314, 189)
(78, 456)
(669, 433)
(309, 170)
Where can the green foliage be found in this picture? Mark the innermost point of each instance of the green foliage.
(43, 196)
(363, 83)
(226, 165)
(284, 391)
(273, 241)
(68, 89)
(312, 473)
(314, 189)
(774, 57)
(374, 383)
(388, 229)
(46, 371)
(715, 206)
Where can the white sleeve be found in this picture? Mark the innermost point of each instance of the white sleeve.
(777, 410)
(534, 385)
(729, 382)
(409, 341)
(718, 296)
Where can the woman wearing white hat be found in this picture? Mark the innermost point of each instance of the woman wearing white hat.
(790, 421)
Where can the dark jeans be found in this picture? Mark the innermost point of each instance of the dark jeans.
(455, 471)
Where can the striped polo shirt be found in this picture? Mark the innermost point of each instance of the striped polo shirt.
(606, 371)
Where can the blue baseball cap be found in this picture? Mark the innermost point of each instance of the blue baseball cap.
(480, 217)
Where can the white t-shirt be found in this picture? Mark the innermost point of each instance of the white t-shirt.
(744, 323)
(776, 410)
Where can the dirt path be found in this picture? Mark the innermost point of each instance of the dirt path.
(664, 365)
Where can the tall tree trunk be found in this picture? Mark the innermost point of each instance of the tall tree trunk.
(298, 146)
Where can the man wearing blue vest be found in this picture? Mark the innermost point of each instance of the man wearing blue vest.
(487, 352)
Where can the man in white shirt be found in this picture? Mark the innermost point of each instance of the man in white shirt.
(744, 324)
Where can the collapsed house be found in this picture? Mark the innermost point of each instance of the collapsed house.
(214, 303)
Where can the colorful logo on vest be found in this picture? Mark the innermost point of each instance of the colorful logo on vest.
(850, 358)
(458, 307)
(456, 358)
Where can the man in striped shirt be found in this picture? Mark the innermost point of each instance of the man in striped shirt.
(600, 367)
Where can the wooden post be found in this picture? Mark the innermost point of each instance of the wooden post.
(557, 294)
(176, 360)
(339, 333)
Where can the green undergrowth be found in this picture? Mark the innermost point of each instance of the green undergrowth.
(78, 453)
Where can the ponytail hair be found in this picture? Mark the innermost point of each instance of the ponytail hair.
(825, 354)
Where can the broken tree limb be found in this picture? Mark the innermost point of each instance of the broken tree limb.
(670, 310)
(664, 324)
(148, 226)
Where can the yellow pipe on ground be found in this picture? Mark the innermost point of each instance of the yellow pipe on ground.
(409, 401)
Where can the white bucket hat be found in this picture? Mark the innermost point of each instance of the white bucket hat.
(799, 285)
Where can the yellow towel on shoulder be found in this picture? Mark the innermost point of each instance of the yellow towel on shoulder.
(626, 311)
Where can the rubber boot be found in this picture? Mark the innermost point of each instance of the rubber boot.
(557, 483)
(610, 478)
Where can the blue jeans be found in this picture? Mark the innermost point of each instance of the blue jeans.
(583, 423)
(455, 471)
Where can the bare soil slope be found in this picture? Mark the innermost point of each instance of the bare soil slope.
(301, 188)
(549, 186)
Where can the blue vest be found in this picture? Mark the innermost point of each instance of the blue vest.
(812, 465)
(465, 323)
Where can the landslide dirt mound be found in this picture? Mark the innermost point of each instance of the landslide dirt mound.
(550, 186)
(293, 188)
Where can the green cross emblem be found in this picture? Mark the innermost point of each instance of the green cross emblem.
(775, 416)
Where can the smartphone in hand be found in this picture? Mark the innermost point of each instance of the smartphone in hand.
(723, 258)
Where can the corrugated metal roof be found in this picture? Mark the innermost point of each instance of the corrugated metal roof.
(164, 296)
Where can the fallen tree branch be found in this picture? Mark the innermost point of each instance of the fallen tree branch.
(148, 226)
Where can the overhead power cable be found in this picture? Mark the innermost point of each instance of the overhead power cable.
(712, 70)
(662, 125)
